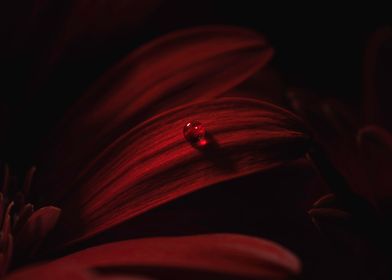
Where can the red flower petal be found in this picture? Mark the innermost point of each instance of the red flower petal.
(192, 64)
(217, 256)
(153, 163)
(185, 66)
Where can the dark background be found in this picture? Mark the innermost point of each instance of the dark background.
(320, 48)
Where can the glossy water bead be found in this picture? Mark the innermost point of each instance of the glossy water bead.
(195, 133)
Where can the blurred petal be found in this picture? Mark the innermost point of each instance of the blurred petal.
(153, 163)
(6, 241)
(185, 66)
(217, 256)
(334, 127)
(375, 144)
(359, 254)
(378, 79)
(329, 213)
(325, 201)
(35, 230)
(188, 65)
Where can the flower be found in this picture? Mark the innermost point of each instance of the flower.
(119, 152)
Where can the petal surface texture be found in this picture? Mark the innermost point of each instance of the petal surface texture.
(153, 163)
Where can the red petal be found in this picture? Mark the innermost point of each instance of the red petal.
(217, 256)
(153, 163)
(189, 65)
(185, 66)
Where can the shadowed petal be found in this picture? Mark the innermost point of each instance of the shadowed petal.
(189, 65)
(216, 256)
(328, 200)
(375, 145)
(359, 254)
(6, 241)
(32, 234)
(334, 126)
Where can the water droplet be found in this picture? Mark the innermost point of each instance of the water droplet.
(195, 133)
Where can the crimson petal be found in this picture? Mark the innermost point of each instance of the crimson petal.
(215, 256)
(153, 163)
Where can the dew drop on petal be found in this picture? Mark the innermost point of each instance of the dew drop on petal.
(195, 133)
